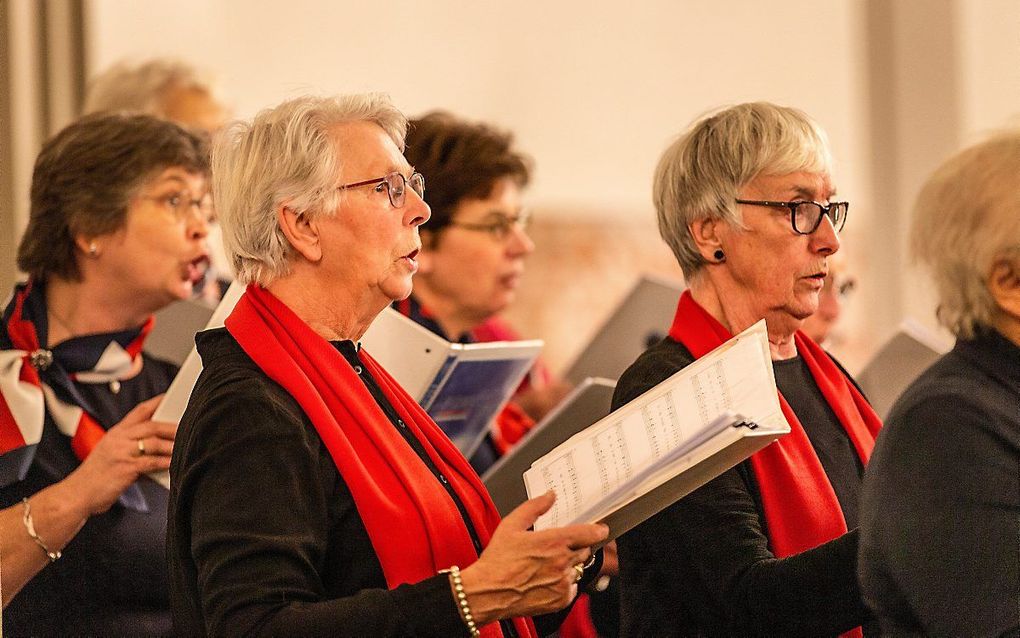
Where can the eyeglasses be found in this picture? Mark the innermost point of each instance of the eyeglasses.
(396, 186)
(501, 225)
(182, 204)
(807, 216)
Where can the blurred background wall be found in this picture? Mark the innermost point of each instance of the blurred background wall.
(594, 91)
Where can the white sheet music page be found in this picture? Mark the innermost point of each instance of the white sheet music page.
(606, 462)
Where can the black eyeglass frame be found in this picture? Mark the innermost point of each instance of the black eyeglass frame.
(792, 206)
(385, 179)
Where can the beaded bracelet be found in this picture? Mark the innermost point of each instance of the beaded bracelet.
(30, 528)
(462, 603)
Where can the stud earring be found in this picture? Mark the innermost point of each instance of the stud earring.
(93, 249)
(719, 255)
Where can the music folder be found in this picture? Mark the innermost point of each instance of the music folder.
(462, 386)
(641, 319)
(898, 363)
(586, 404)
(667, 442)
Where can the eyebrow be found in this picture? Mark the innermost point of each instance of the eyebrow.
(807, 193)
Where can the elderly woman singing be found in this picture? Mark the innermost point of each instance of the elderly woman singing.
(745, 200)
(311, 495)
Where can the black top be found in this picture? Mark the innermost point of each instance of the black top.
(264, 537)
(111, 579)
(703, 566)
(940, 515)
(828, 437)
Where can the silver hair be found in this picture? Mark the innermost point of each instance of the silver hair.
(286, 155)
(966, 218)
(699, 175)
(140, 88)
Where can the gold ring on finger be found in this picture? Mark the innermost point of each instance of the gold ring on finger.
(579, 568)
(141, 447)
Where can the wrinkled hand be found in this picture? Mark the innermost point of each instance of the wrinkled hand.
(116, 461)
(522, 572)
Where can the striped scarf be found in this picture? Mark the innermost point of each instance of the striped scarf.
(36, 380)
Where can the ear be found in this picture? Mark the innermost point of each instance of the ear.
(88, 246)
(301, 232)
(707, 237)
(1004, 285)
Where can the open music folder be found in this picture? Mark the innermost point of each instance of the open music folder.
(586, 404)
(462, 386)
(666, 443)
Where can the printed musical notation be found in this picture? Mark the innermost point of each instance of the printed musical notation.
(605, 458)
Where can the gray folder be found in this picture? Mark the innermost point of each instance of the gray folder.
(173, 336)
(897, 364)
(641, 319)
(586, 404)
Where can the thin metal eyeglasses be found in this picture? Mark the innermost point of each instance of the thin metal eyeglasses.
(182, 204)
(396, 186)
(805, 216)
(501, 225)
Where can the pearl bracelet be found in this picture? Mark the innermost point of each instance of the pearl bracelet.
(30, 528)
(462, 603)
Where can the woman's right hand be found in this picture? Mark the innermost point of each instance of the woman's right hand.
(525, 573)
(116, 461)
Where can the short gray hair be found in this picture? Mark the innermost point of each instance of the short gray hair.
(967, 217)
(700, 174)
(141, 88)
(285, 155)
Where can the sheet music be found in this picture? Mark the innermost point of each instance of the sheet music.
(676, 415)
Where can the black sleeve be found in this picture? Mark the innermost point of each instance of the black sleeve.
(941, 535)
(711, 551)
(257, 491)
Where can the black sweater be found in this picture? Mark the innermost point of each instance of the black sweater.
(264, 537)
(703, 567)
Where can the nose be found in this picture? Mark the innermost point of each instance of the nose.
(198, 223)
(825, 239)
(519, 243)
(416, 212)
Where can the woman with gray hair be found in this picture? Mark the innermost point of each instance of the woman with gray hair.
(310, 494)
(745, 199)
(940, 517)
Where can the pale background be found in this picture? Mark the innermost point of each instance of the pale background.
(595, 90)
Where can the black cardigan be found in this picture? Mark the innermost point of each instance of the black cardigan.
(264, 537)
(703, 567)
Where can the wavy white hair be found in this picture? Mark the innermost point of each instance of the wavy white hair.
(285, 155)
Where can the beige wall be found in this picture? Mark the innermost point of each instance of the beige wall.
(596, 89)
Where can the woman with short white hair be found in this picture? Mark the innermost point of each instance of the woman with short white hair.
(310, 494)
(746, 201)
(940, 526)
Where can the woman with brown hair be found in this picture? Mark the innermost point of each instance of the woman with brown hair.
(116, 231)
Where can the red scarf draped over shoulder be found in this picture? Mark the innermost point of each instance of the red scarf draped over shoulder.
(415, 527)
(801, 510)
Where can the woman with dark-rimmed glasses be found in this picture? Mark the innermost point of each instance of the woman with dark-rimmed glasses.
(311, 496)
(746, 201)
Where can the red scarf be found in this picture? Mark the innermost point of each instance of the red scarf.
(415, 527)
(801, 509)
